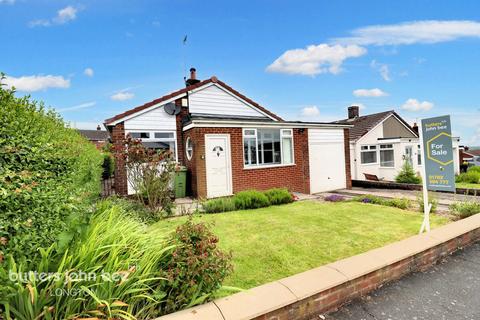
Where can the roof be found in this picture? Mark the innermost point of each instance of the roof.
(184, 91)
(94, 135)
(363, 124)
(475, 152)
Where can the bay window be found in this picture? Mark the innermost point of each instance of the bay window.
(368, 154)
(263, 147)
(387, 156)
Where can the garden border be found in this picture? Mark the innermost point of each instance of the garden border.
(326, 288)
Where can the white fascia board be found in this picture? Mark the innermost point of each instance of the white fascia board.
(136, 114)
(254, 124)
(233, 95)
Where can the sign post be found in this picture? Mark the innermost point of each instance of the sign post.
(438, 167)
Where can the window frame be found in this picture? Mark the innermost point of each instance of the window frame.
(370, 148)
(283, 133)
(386, 147)
(189, 148)
(419, 155)
(153, 139)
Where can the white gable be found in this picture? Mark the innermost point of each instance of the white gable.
(155, 119)
(217, 101)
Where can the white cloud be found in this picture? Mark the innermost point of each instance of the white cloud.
(370, 93)
(415, 105)
(406, 33)
(37, 82)
(383, 69)
(311, 111)
(88, 72)
(315, 59)
(78, 107)
(122, 96)
(63, 16)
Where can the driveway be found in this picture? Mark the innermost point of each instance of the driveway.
(449, 290)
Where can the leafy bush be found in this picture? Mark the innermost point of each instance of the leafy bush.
(278, 196)
(433, 200)
(196, 268)
(219, 205)
(250, 199)
(118, 269)
(49, 176)
(465, 209)
(334, 198)
(150, 173)
(121, 261)
(408, 175)
(401, 203)
(471, 176)
(368, 198)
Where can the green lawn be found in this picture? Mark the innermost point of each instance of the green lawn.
(275, 242)
(467, 185)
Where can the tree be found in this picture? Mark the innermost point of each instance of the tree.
(408, 175)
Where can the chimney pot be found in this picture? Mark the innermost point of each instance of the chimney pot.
(415, 127)
(193, 78)
(99, 128)
(353, 112)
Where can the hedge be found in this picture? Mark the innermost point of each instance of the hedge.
(49, 176)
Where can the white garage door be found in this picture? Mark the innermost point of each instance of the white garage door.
(327, 159)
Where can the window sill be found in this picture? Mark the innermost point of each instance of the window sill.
(387, 167)
(369, 164)
(268, 166)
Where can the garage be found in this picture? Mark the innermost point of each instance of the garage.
(327, 159)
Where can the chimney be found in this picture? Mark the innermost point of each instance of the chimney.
(353, 112)
(415, 127)
(99, 128)
(193, 78)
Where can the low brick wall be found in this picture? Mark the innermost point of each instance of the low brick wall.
(326, 288)
(405, 186)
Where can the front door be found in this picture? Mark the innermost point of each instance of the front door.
(218, 165)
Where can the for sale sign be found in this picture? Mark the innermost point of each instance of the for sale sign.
(438, 154)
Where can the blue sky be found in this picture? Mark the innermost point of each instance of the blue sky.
(304, 60)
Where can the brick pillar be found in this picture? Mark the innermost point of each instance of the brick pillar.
(180, 135)
(348, 167)
(118, 135)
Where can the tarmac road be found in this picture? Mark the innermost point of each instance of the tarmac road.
(449, 290)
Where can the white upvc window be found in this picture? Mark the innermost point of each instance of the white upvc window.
(189, 148)
(158, 140)
(368, 154)
(387, 156)
(267, 147)
(419, 155)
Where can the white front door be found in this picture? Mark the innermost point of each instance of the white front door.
(218, 165)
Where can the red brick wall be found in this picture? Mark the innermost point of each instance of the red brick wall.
(295, 177)
(118, 135)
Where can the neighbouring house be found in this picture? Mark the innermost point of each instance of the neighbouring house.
(230, 143)
(98, 137)
(380, 143)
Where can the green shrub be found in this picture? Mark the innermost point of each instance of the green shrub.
(474, 169)
(278, 196)
(219, 205)
(433, 200)
(471, 176)
(196, 268)
(408, 175)
(130, 271)
(401, 203)
(125, 259)
(250, 199)
(368, 198)
(49, 176)
(465, 209)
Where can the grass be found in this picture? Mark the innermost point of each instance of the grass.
(467, 185)
(275, 242)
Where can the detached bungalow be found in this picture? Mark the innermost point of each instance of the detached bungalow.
(380, 143)
(230, 143)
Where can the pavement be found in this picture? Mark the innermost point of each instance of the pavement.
(449, 290)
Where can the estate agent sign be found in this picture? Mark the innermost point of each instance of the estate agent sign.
(438, 154)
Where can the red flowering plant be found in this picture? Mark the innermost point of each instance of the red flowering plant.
(196, 269)
(149, 173)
